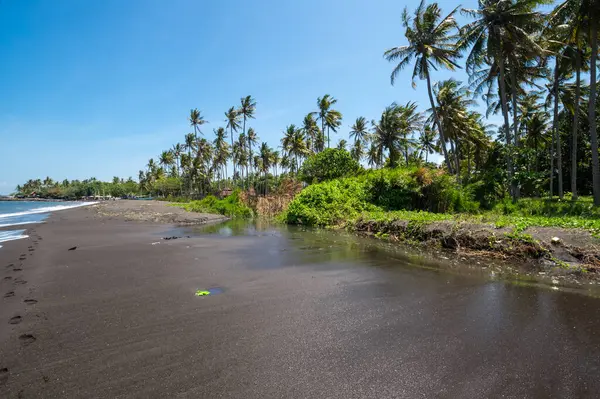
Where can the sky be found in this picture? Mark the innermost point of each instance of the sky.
(97, 88)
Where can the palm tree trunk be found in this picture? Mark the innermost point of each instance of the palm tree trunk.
(513, 81)
(552, 168)
(438, 124)
(575, 122)
(509, 164)
(513, 78)
(592, 113)
(556, 133)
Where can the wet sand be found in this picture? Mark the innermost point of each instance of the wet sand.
(301, 315)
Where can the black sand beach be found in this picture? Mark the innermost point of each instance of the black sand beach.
(300, 316)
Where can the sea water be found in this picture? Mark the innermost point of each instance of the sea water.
(18, 213)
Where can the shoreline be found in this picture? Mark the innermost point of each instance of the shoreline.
(551, 255)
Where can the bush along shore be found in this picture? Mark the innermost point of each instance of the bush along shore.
(426, 207)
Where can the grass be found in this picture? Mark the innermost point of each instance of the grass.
(230, 206)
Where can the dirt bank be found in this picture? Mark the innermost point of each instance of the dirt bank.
(564, 253)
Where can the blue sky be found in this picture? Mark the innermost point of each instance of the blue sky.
(96, 88)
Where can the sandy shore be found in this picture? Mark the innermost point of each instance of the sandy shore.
(152, 211)
(301, 315)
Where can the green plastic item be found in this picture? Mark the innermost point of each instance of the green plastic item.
(202, 293)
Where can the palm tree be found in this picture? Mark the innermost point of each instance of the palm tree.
(233, 124)
(166, 159)
(386, 136)
(502, 29)
(432, 43)
(221, 150)
(196, 120)
(265, 158)
(427, 142)
(357, 150)
(252, 138)
(342, 144)
(330, 118)
(312, 132)
(374, 155)
(294, 145)
(360, 131)
(452, 112)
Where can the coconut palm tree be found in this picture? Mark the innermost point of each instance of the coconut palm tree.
(251, 138)
(233, 124)
(342, 144)
(196, 120)
(357, 150)
(312, 132)
(359, 131)
(166, 159)
(330, 118)
(294, 144)
(374, 155)
(426, 142)
(578, 19)
(432, 44)
(502, 30)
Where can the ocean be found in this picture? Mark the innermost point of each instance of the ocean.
(19, 213)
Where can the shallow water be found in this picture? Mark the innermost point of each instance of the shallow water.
(461, 321)
(296, 245)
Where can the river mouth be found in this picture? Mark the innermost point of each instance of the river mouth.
(315, 246)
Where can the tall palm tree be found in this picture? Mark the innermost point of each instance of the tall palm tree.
(359, 131)
(294, 144)
(374, 155)
(312, 132)
(358, 150)
(265, 164)
(251, 138)
(221, 150)
(166, 159)
(330, 118)
(427, 142)
(502, 30)
(233, 124)
(432, 44)
(196, 120)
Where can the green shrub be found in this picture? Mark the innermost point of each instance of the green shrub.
(230, 206)
(337, 201)
(330, 164)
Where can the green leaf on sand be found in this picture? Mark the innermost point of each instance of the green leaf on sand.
(202, 293)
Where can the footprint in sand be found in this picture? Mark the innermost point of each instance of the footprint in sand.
(23, 257)
(9, 294)
(15, 320)
(30, 301)
(3, 375)
(27, 339)
(17, 269)
(20, 281)
(10, 265)
(8, 278)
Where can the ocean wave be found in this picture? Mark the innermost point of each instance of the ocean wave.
(12, 235)
(21, 223)
(46, 209)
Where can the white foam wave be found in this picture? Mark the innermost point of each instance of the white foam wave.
(12, 235)
(47, 209)
(18, 223)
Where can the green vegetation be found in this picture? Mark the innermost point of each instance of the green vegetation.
(75, 189)
(329, 164)
(230, 206)
(333, 202)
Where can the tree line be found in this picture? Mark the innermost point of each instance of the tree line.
(524, 60)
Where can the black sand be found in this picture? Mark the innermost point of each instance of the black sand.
(301, 316)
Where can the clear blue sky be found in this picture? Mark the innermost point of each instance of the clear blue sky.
(96, 88)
